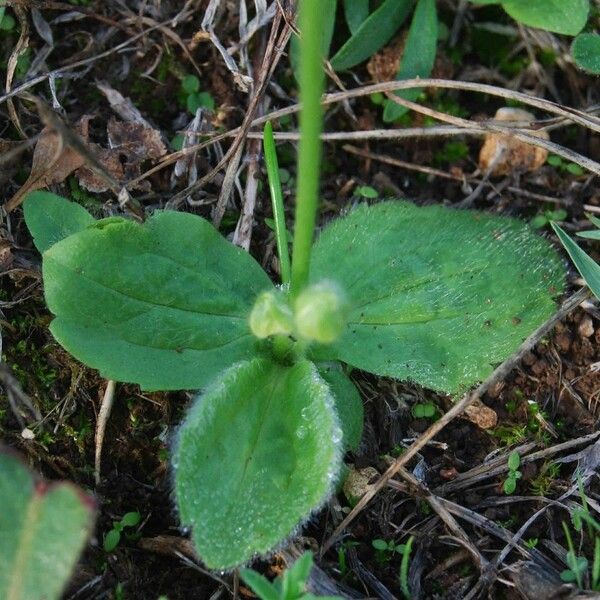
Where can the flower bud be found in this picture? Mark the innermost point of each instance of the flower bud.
(271, 315)
(320, 312)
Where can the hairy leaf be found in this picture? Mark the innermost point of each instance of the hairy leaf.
(51, 218)
(376, 31)
(348, 403)
(43, 528)
(257, 453)
(418, 56)
(560, 16)
(164, 304)
(438, 296)
(586, 52)
(589, 269)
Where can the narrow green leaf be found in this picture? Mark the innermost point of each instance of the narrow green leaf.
(560, 16)
(374, 33)
(296, 576)
(356, 13)
(329, 8)
(589, 269)
(257, 453)
(438, 296)
(586, 52)
(259, 584)
(418, 56)
(348, 403)
(43, 528)
(164, 304)
(590, 235)
(51, 218)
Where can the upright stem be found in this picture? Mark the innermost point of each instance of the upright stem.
(277, 202)
(309, 151)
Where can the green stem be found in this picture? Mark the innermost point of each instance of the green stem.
(277, 202)
(309, 152)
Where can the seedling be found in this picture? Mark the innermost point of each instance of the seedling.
(577, 564)
(433, 295)
(342, 561)
(366, 191)
(404, 565)
(291, 585)
(565, 167)
(192, 97)
(113, 537)
(385, 550)
(424, 410)
(547, 217)
(510, 483)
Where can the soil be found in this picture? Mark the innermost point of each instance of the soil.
(550, 400)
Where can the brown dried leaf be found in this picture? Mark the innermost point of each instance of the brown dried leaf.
(481, 415)
(135, 141)
(502, 154)
(92, 181)
(52, 163)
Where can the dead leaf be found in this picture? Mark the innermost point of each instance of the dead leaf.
(358, 483)
(92, 181)
(503, 154)
(135, 140)
(52, 163)
(481, 415)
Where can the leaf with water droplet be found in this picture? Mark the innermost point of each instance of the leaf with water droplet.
(250, 466)
(437, 296)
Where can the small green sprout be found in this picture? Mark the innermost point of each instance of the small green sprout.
(385, 550)
(193, 97)
(547, 217)
(510, 483)
(113, 537)
(404, 565)
(366, 191)
(564, 167)
(424, 410)
(291, 585)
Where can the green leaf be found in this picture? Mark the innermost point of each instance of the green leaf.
(131, 519)
(111, 540)
(437, 296)
(586, 266)
(380, 545)
(514, 460)
(51, 218)
(328, 8)
(418, 56)
(348, 404)
(259, 584)
(590, 235)
(586, 52)
(295, 577)
(374, 33)
(510, 485)
(560, 16)
(190, 84)
(257, 453)
(356, 12)
(43, 527)
(164, 304)
(200, 100)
